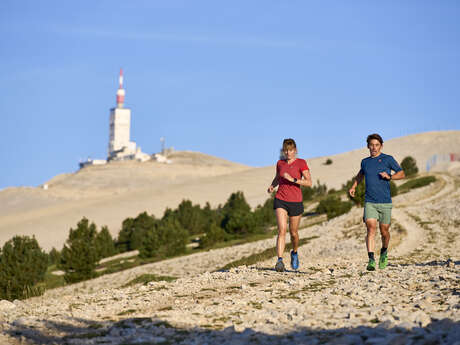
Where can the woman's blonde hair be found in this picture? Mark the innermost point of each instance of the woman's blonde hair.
(289, 144)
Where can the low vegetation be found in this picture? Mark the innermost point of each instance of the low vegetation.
(147, 278)
(333, 206)
(409, 165)
(416, 183)
(25, 270)
(22, 268)
(80, 253)
(263, 255)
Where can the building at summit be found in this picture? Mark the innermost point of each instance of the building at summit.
(120, 145)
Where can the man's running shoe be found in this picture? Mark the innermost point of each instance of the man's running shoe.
(383, 261)
(371, 265)
(279, 267)
(294, 260)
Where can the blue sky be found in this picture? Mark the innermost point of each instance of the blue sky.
(231, 79)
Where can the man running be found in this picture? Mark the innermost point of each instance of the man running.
(376, 170)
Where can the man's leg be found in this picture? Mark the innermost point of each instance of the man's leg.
(293, 230)
(385, 232)
(371, 225)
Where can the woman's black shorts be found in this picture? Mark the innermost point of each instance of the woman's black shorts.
(293, 208)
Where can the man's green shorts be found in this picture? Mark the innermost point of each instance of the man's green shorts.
(381, 212)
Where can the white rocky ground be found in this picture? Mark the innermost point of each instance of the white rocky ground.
(331, 299)
(108, 194)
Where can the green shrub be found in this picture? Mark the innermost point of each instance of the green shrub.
(23, 266)
(239, 222)
(236, 202)
(147, 278)
(264, 215)
(166, 238)
(393, 189)
(308, 193)
(320, 189)
(212, 215)
(80, 253)
(328, 162)
(105, 244)
(54, 256)
(409, 165)
(237, 216)
(214, 234)
(133, 231)
(416, 183)
(174, 238)
(360, 191)
(333, 206)
(191, 217)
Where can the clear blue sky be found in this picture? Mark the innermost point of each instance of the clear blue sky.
(231, 79)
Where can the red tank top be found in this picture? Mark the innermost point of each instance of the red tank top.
(290, 191)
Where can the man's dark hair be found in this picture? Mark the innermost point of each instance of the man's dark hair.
(374, 136)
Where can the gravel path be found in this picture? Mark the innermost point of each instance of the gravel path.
(332, 299)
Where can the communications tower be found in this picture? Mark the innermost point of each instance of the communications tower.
(120, 126)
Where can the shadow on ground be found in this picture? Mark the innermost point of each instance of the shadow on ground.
(145, 331)
(433, 263)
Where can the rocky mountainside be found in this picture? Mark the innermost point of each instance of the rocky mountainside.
(110, 193)
(332, 299)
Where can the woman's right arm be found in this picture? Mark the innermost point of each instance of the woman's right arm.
(274, 183)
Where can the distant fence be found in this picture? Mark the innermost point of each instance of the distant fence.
(444, 158)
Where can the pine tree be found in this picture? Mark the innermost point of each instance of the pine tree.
(104, 243)
(80, 253)
(133, 231)
(238, 218)
(166, 238)
(191, 217)
(213, 234)
(54, 256)
(23, 264)
(409, 165)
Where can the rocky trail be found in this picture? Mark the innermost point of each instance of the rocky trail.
(332, 299)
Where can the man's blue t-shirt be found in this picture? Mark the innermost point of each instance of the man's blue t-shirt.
(378, 188)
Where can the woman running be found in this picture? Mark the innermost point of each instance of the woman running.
(291, 173)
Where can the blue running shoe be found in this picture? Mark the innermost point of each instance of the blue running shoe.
(294, 260)
(279, 267)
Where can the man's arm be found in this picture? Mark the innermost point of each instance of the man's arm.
(356, 182)
(396, 176)
(393, 165)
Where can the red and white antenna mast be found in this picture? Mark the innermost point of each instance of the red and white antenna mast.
(120, 91)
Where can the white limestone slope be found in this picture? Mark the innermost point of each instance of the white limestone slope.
(108, 194)
(332, 299)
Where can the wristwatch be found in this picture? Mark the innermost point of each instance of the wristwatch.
(295, 180)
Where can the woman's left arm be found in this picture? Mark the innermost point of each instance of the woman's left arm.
(305, 181)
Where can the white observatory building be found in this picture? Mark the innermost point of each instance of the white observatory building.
(120, 146)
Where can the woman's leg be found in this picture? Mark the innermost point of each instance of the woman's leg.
(281, 217)
(294, 231)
